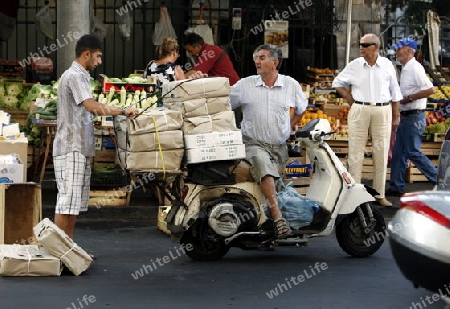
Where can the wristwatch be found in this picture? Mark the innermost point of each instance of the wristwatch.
(410, 99)
(123, 111)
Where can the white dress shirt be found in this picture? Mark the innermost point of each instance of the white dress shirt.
(377, 83)
(412, 80)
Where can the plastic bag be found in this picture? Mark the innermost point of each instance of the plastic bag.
(163, 28)
(295, 208)
(98, 28)
(44, 22)
(204, 31)
(8, 17)
(125, 24)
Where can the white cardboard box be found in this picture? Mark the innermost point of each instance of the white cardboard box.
(207, 154)
(213, 139)
(18, 146)
(11, 173)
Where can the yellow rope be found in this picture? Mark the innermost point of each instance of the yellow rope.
(159, 147)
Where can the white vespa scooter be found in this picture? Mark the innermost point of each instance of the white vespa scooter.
(211, 219)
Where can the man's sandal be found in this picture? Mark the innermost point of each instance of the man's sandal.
(282, 228)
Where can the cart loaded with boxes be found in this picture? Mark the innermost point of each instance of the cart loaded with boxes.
(193, 136)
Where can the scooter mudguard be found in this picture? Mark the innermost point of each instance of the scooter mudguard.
(355, 196)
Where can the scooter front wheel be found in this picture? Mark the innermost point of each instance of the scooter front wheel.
(201, 243)
(357, 240)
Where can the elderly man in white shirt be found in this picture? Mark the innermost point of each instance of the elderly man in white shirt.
(369, 84)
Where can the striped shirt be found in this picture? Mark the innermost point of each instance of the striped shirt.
(376, 83)
(265, 110)
(75, 129)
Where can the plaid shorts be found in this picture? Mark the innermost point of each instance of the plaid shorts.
(73, 176)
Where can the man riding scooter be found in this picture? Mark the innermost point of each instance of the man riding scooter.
(266, 99)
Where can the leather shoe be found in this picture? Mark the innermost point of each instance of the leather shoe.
(383, 201)
(390, 192)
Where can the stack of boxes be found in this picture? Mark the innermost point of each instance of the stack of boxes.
(152, 142)
(209, 125)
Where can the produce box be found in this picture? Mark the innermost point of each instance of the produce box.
(213, 139)
(11, 68)
(218, 153)
(19, 147)
(149, 86)
(12, 173)
(62, 246)
(211, 87)
(28, 260)
(298, 170)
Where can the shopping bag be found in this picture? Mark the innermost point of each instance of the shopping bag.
(163, 28)
(295, 208)
(203, 30)
(44, 22)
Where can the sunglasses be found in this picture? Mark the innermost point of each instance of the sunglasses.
(365, 45)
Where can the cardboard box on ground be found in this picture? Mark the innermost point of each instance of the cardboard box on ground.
(53, 249)
(28, 260)
(62, 246)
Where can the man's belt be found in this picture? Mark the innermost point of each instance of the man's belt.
(373, 103)
(411, 112)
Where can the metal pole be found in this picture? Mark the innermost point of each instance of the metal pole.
(72, 22)
(349, 31)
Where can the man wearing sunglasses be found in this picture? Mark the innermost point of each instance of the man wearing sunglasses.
(369, 84)
(416, 88)
(266, 100)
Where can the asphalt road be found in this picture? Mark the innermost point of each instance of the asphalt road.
(138, 267)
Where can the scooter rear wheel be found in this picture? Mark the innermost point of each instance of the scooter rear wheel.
(352, 238)
(201, 244)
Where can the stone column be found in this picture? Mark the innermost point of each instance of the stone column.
(72, 22)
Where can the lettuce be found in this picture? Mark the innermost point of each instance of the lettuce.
(13, 89)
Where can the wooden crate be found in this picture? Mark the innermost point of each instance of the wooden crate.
(161, 224)
(105, 157)
(340, 147)
(112, 197)
(19, 116)
(431, 149)
(301, 184)
(413, 174)
(20, 211)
